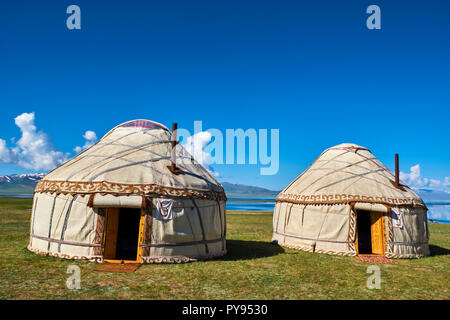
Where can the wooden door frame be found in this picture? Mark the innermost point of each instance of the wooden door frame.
(383, 217)
(105, 235)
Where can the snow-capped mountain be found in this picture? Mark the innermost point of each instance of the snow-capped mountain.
(20, 183)
(22, 177)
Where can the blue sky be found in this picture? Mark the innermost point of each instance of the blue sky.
(308, 68)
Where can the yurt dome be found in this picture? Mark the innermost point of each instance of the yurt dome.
(347, 203)
(135, 196)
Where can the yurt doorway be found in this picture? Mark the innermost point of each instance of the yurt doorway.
(370, 235)
(123, 226)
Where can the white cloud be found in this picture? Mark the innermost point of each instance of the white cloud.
(415, 180)
(91, 139)
(439, 212)
(5, 153)
(34, 150)
(90, 135)
(195, 145)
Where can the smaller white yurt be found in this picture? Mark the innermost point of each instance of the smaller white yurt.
(348, 203)
(135, 196)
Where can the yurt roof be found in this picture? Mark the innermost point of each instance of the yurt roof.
(133, 158)
(347, 173)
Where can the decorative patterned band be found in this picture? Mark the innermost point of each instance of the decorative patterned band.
(70, 243)
(144, 259)
(180, 259)
(405, 256)
(346, 198)
(399, 243)
(191, 243)
(103, 187)
(311, 249)
(309, 239)
(97, 259)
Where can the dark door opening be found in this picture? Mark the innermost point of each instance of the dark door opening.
(128, 234)
(364, 234)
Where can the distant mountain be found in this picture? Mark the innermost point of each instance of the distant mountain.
(25, 183)
(242, 190)
(20, 183)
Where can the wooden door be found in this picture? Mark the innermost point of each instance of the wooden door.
(141, 235)
(111, 230)
(377, 232)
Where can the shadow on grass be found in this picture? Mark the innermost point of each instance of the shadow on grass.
(438, 251)
(243, 250)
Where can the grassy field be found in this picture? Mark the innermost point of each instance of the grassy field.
(252, 269)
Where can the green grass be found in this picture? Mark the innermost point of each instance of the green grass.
(252, 269)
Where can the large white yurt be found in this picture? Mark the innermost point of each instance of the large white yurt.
(348, 203)
(135, 196)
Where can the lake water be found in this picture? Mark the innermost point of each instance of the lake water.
(437, 212)
(251, 204)
(16, 195)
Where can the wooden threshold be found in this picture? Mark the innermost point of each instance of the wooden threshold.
(374, 258)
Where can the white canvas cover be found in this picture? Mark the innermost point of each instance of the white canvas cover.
(128, 168)
(317, 211)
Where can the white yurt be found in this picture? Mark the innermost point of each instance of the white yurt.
(348, 203)
(135, 196)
